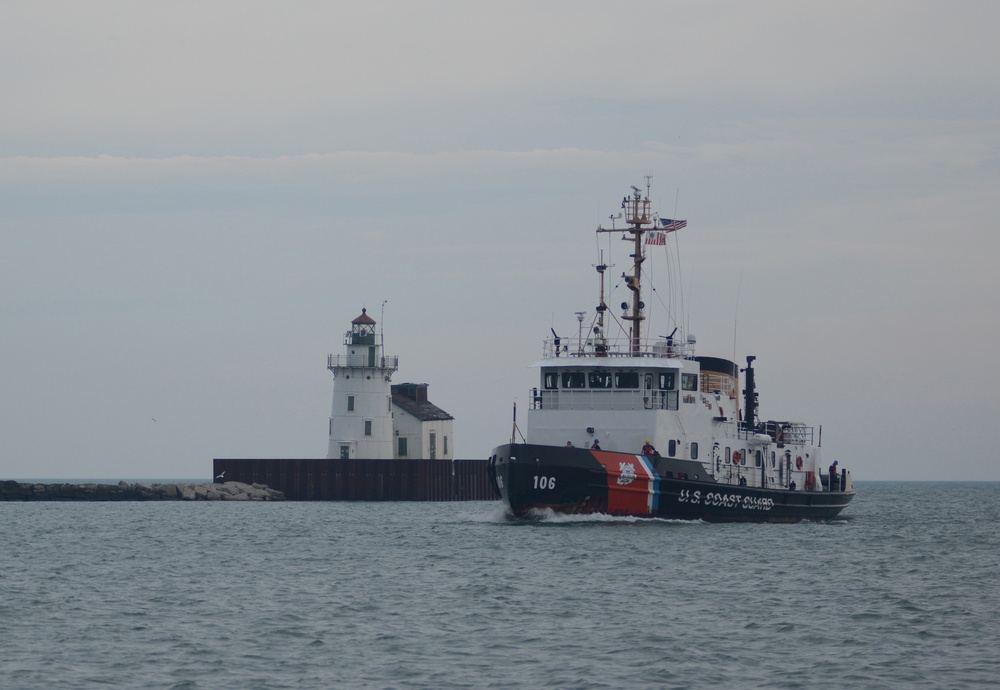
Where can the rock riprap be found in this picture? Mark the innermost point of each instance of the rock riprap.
(123, 491)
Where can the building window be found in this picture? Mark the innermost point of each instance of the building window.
(401, 446)
(368, 427)
(350, 403)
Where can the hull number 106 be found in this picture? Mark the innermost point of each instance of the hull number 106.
(545, 482)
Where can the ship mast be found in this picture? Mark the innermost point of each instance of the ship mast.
(638, 216)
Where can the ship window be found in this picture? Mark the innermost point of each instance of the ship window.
(667, 380)
(551, 380)
(627, 379)
(773, 463)
(694, 450)
(331, 427)
(368, 427)
(350, 403)
(600, 379)
(689, 382)
(444, 449)
(728, 453)
(345, 452)
(401, 446)
(573, 379)
(672, 448)
(756, 458)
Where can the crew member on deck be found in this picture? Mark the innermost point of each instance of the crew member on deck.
(647, 448)
(833, 475)
(569, 444)
(596, 445)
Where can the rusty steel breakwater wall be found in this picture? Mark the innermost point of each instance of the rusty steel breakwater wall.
(336, 479)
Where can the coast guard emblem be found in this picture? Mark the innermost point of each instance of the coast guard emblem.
(627, 475)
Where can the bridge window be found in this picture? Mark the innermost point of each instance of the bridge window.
(600, 379)
(573, 379)
(689, 382)
(551, 380)
(667, 382)
(627, 379)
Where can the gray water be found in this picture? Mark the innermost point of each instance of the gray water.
(900, 593)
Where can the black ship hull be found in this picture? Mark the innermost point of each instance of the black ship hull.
(534, 478)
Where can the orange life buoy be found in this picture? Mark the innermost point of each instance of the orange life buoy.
(798, 462)
(736, 458)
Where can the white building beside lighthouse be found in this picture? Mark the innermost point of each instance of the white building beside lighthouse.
(371, 418)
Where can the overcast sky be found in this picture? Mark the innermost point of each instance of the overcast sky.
(196, 198)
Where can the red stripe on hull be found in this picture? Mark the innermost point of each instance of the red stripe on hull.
(630, 485)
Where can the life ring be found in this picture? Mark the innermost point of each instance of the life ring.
(798, 463)
(736, 458)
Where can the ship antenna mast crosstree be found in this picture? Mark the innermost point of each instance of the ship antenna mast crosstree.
(638, 216)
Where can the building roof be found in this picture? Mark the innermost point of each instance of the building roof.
(364, 318)
(422, 409)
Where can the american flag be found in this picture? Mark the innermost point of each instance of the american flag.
(668, 225)
(658, 238)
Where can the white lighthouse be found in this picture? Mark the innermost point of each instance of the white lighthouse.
(361, 420)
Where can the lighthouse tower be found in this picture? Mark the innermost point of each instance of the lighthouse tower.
(361, 420)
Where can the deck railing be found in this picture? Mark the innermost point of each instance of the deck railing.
(587, 399)
(616, 347)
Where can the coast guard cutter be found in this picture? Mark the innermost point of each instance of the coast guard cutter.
(624, 424)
